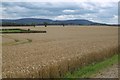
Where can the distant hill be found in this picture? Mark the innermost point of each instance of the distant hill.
(26, 21)
(76, 22)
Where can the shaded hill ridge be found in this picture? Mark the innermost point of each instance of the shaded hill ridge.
(49, 21)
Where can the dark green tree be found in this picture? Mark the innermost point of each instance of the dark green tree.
(63, 24)
(33, 24)
(45, 23)
(28, 29)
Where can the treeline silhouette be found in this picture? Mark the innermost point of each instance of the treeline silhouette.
(33, 24)
(15, 24)
(46, 24)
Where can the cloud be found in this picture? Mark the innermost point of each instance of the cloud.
(95, 11)
(65, 17)
(69, 11)
(61, 1)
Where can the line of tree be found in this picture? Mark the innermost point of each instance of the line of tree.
(15, 24)
(44, 23)
(32, 24)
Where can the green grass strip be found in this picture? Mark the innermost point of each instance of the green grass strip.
(12, 30)
(88, 71)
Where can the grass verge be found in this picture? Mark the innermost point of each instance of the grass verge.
(88, 71)
(19, 31)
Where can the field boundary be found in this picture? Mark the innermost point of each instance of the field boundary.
(11, 31)
(92, 69)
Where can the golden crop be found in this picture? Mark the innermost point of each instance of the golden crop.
(56, 52)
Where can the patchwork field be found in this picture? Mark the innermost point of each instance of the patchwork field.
(56, 52)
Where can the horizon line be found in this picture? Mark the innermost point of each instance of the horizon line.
(57, 19)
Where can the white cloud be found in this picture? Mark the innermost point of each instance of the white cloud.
(96, 11)
(100, 1)
(86, 6)
(115, 17)
(69, 11)
(64, 17)
(78, 16)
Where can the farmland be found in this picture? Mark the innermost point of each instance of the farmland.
(56, 52)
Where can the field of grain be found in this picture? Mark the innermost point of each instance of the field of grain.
(56, 52)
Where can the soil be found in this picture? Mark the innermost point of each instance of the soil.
(111, 72)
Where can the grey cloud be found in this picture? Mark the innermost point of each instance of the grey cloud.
(53, 10)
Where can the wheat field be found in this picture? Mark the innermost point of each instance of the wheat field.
(52, 54)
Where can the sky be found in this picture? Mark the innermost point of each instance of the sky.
(93, 10)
